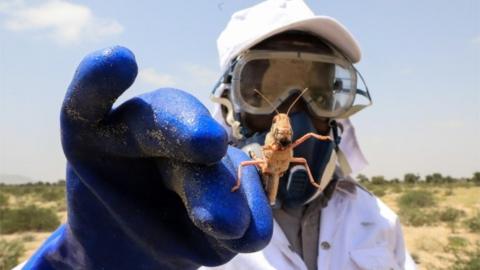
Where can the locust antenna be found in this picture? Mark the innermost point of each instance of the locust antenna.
(266, 99)
(296, 100)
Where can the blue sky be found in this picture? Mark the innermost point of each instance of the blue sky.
(421, 61)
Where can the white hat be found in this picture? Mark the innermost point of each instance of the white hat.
(250, 26)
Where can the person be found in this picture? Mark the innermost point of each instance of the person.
(149, 182)
(272, 55)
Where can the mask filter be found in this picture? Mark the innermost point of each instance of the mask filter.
(297, 185)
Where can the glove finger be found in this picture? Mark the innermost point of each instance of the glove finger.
(260, 229)
(173, 124)
(99, 80)
(206, 194)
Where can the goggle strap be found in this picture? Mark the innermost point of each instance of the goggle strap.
(226, 77)
(364, 93)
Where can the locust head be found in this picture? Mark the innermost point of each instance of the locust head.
(282, 130)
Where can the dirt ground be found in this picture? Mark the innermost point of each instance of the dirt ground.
(425, 243)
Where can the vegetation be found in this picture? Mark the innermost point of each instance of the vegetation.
(416, 199)
(451, 216)
(44, 192)
(10, 253)
(28, 207)
(465, 258)
(442, 210)
(3, 200)
(473, 223)
(411, 178)
(476, 178)
(30, 218)
(417, 217)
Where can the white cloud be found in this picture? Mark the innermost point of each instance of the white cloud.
(202, 76)
(8, 5)
(63, 21)
(154, 78)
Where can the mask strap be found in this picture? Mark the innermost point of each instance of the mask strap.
(342, 159)
(229, 119)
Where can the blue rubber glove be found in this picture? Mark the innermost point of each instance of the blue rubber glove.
(148, 183)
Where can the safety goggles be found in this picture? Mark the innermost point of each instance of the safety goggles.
(331, 82)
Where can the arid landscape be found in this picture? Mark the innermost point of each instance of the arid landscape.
(440, 215)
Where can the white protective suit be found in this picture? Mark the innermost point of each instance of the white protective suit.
(357, 231)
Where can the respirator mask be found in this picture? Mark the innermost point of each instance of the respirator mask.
(295, 188)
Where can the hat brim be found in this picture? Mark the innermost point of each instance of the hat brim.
(323, 26)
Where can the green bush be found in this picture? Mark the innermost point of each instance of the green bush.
(416, 198)
(466, 259)
(379, 192)
(29, 218)
(397, 188)
(455, 244)
(451, 214)
(3, 200)
(417, 217)
(38, 191)
(53, 194)
(10, 252)
(378, 180)
(473, 223)
(476, 178)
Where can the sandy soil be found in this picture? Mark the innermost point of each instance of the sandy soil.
(426, 243)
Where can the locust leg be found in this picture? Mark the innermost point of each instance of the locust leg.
(252, 155)
(239, 173)
(304, 162)
(308, 136)
(272, 181)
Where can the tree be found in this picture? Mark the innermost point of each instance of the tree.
(395, 180)
(362, 178)
(448, 179)
(437, 178)
(476, 178)
(411, 178)
(378, 180)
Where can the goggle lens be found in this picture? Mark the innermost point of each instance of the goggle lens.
(330, 86)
